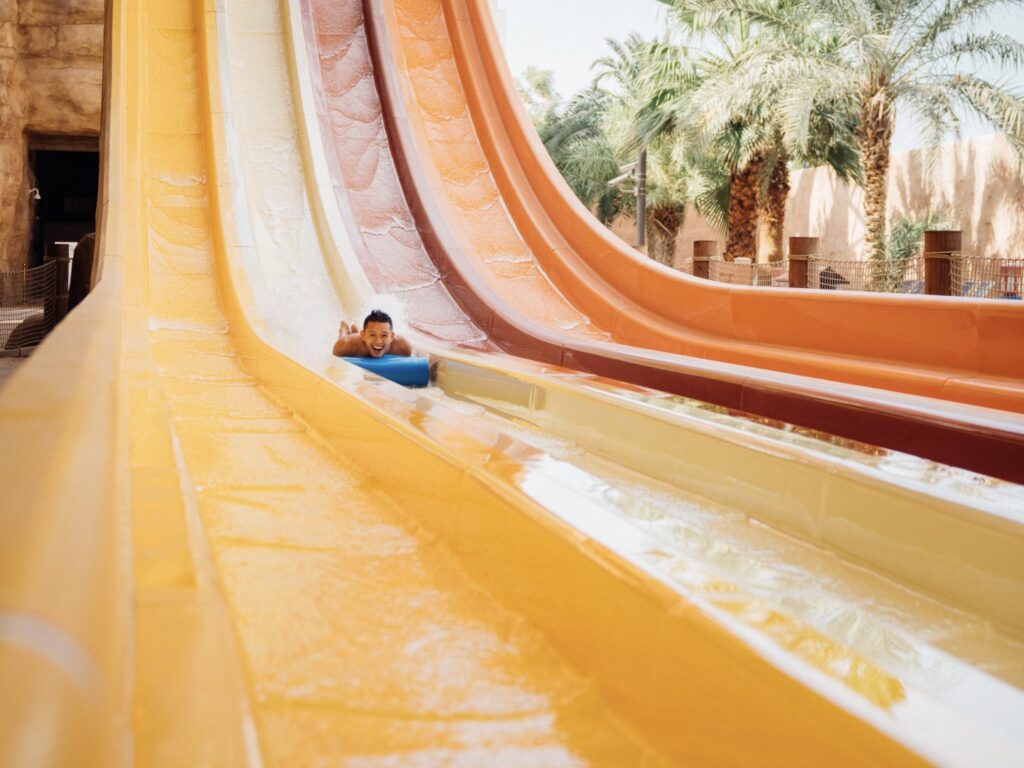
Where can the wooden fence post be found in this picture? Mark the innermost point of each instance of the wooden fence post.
(941, 246)
(799, 249)
(703, 251)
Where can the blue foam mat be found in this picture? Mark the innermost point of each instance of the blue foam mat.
(407, 371)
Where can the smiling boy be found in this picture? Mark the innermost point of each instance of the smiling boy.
(378, 338)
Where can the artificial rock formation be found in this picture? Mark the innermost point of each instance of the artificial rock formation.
(15, 215)
(61, 46)
(51, 72)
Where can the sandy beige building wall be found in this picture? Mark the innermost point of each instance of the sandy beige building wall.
(979, 182)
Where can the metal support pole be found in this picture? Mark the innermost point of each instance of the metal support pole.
(641, 199)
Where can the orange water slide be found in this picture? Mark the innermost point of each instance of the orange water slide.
(940, 377)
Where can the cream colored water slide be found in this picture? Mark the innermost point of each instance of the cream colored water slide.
(220, 546)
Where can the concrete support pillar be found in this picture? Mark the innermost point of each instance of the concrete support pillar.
(941, 246)
(800, 248)
(703, 252)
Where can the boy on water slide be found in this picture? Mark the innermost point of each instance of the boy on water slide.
(377, 338)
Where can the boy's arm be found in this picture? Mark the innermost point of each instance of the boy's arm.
(350, 343)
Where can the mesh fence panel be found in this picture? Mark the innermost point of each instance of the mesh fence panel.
(771, 275)
(889, 276)
(27, 306)
(977, 277)
(774, 274)
(982, 277)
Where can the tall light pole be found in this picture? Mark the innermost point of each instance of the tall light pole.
(638, 172)
(641, 198)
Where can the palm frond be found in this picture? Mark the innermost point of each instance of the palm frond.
(992, 102)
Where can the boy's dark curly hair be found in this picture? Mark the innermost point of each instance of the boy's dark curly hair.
(378, 316)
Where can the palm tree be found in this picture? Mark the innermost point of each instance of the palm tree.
(576, 139)
(741, 124)
(537, 89)
(868, 58)
(624, 69)
(670, 82)
(581, 140)
(589, 141)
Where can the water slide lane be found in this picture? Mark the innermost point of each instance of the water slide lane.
(260, 495)
(380, 230)
(253, 533)
(350, 621)
(489, 236)
(253, 117)
(335, 31)
(488, 524)
(347, 112)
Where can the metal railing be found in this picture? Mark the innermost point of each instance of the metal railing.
(773, 274)
(939, 268)
(983, 277)
(28, 307)
(887, 276)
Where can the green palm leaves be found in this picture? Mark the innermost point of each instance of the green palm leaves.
(829, 66)
(739, 91)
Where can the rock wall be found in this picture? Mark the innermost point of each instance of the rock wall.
(51, 73)
(61, 45)
(15, 214)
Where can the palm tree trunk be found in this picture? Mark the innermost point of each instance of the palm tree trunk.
(744, 191)
(663, 226)
(874, 138)
(775, 206)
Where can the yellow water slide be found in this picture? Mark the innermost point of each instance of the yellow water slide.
(220, 546)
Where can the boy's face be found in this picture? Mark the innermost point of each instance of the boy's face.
(378, 338)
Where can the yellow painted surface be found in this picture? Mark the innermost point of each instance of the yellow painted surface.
(261, 555)
(356, 636)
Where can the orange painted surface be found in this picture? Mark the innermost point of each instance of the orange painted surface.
(516, 223)
(381, 229)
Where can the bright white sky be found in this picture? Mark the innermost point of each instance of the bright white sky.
(565, 36)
